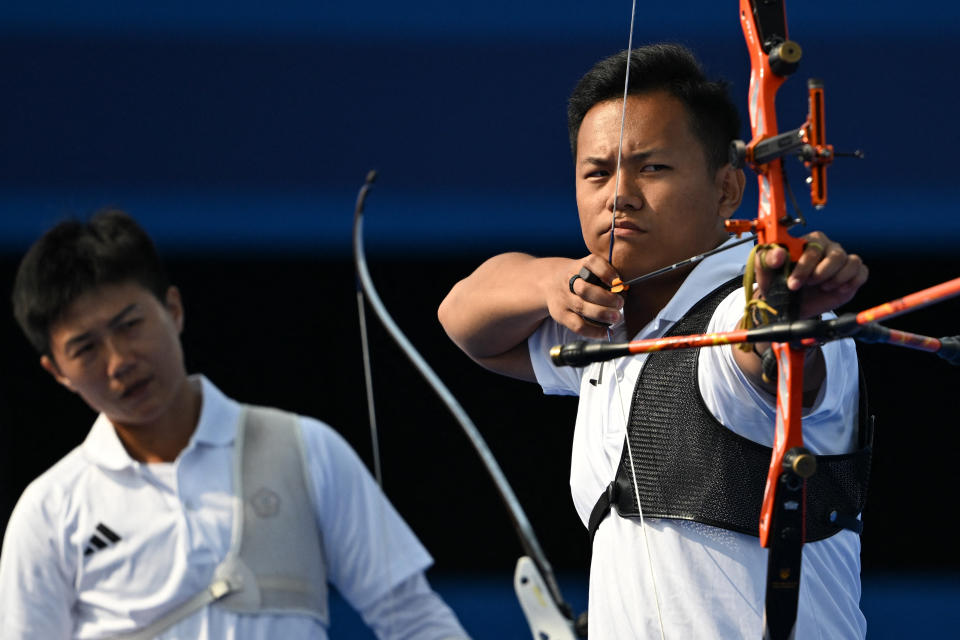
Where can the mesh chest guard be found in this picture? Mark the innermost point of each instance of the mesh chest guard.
(691, 467)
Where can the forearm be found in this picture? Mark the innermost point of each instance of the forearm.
(500, 304)
(413, 611)
(814, 370)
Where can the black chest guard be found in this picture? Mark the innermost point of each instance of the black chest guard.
(691, 467)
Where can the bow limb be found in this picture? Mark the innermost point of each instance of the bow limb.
(534, 574)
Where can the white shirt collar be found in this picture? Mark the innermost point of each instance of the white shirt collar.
(706, 276)
(217, 426)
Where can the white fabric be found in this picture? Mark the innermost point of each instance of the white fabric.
(710, 581)
(175, 522)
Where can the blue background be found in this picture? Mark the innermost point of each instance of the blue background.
(240, 132)
(251, 125)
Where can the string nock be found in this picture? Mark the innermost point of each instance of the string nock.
(618, 286)
(800, 461)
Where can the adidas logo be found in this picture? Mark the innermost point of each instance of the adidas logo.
(96, 543)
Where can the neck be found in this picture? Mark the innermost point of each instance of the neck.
(645, 300)
(163, 439)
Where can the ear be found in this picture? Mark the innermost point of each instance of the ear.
(51, 367)
(731, 183)
(174, 305)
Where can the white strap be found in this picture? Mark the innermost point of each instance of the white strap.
(214, 592)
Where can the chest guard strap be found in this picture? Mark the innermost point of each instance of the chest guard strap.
(690, 467)
(276, 563)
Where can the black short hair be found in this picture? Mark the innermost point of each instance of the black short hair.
(662, 67)
(75, 257)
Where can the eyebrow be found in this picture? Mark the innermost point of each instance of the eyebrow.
(636, 157)
(114, 321)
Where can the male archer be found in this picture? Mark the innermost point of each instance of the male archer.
(185, 514)
(684, 434)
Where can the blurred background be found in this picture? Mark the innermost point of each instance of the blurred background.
(239, 132)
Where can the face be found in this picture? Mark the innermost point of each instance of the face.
(670, 205)
(118, 348)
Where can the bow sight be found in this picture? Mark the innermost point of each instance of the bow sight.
(765, 30)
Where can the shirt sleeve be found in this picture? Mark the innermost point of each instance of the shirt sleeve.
(829, 426)
(36, 594)
(413, 611)
(558, 381)
(368, 547)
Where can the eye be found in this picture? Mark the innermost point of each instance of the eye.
(82, 350)
(597, 173)
(654, 168)
(129, 324)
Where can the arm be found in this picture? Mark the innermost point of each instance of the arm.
(492, 312)
(413, 611)
(36, 594)
(373, 558)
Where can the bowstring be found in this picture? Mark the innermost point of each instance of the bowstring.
(617, 363)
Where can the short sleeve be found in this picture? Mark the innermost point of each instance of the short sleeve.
(368, 547)
(829, 426)
(557, 381)
(36, 594)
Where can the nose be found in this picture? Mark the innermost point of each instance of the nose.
(120, 358)
(627, 196)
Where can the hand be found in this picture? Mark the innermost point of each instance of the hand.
(826, 275)
(580, 306)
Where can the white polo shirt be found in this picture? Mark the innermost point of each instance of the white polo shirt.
(101, 544)
(710, 582)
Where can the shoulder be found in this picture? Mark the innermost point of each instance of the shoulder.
(51, 491)
(328, 454)
(44, 515)
(322, 446)
(320, 435)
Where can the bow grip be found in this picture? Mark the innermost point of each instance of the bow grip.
(780, 297)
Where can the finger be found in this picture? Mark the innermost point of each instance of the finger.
(601, 313)
(592, 283)
(820, 259)
(583, 327)
(599, 267)
(771, 258)
(851, 275)
(832, 263)
(766, 262)
(838, 291)
(598, 295)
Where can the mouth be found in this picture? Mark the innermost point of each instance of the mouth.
(136, 388)
(626, 228)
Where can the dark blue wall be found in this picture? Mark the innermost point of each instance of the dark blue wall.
(249, 125)
(243, 129)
